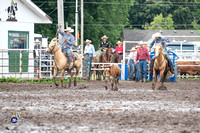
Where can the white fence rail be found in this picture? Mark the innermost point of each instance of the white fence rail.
(27, 63)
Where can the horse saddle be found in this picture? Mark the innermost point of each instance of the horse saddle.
(73, 57)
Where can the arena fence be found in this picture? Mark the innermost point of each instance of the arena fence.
(27, 64)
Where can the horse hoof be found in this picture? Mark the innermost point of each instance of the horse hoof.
(106, 87)
(153, 87)
(56, 84)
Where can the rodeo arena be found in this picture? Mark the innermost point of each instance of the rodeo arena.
(149, 82)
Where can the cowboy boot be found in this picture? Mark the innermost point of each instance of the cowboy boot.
(171, 68)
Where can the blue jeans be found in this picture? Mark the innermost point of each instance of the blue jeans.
(131, 66)
(143, 68)
(137, 72)
(68, 51)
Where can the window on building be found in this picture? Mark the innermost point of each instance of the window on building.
(18, 40)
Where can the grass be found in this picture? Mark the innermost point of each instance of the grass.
(43, 80)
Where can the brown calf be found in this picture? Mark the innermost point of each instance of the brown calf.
(113, 73)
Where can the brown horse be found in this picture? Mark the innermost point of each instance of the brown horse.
(60, 61)
(105, 57)
(116, 58)
(160, 67)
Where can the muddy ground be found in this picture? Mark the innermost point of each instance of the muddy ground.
(90, 108)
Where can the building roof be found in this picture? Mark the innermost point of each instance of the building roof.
(37, 10)
(146, 35)
(27, 12)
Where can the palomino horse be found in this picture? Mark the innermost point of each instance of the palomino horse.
(60, 61)
(160, 67)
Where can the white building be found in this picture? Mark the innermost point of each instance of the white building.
(19, 35)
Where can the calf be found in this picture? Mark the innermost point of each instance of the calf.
(112, 73)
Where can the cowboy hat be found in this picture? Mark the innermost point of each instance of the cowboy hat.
(133, 49)
(119, 42)
(141, 43)
(104, 37)
(87, 40)
(137, 47)
(69, 29)
(37, 40)
(156, 35)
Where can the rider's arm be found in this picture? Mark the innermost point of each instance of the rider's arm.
(71, 41)
(100, 44)
(116, 50)
(60, 31)
(107, 44)
(151, 45)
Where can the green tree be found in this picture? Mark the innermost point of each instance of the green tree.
(160, 23)
(101, 18)
(183, 11)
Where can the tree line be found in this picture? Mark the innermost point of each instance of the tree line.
(107, 17)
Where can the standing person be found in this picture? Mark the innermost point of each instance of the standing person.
(36, 53)
(69, 41)
(137, 67)
(143, 56)
(89, 49)
(131, 59)
(104, 44)
(37, 44)
(159, 39)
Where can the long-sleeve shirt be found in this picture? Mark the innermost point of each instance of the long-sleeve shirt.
(89, 49)
(132, 56)
(70, 39)
(142, 54)
(158, 41)
(119, 49)
(105, 45)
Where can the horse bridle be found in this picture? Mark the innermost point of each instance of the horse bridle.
(53, 49)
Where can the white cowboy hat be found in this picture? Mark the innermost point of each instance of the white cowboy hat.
(69, 29)
(137, 47)
(87, 40)
(133, 49)
(141, 42)
(119, 42)
(104, 37)
(156, 35)
(37, 40)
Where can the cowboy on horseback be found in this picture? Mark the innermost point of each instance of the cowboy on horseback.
(68, 42)
(104, 44)
(160, 39)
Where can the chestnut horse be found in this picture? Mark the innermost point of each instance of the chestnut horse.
(60, 61)
(160, 67)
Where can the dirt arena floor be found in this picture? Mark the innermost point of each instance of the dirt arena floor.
(90, 108)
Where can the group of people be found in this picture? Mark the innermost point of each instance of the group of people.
(138, 60)
(138, 57)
